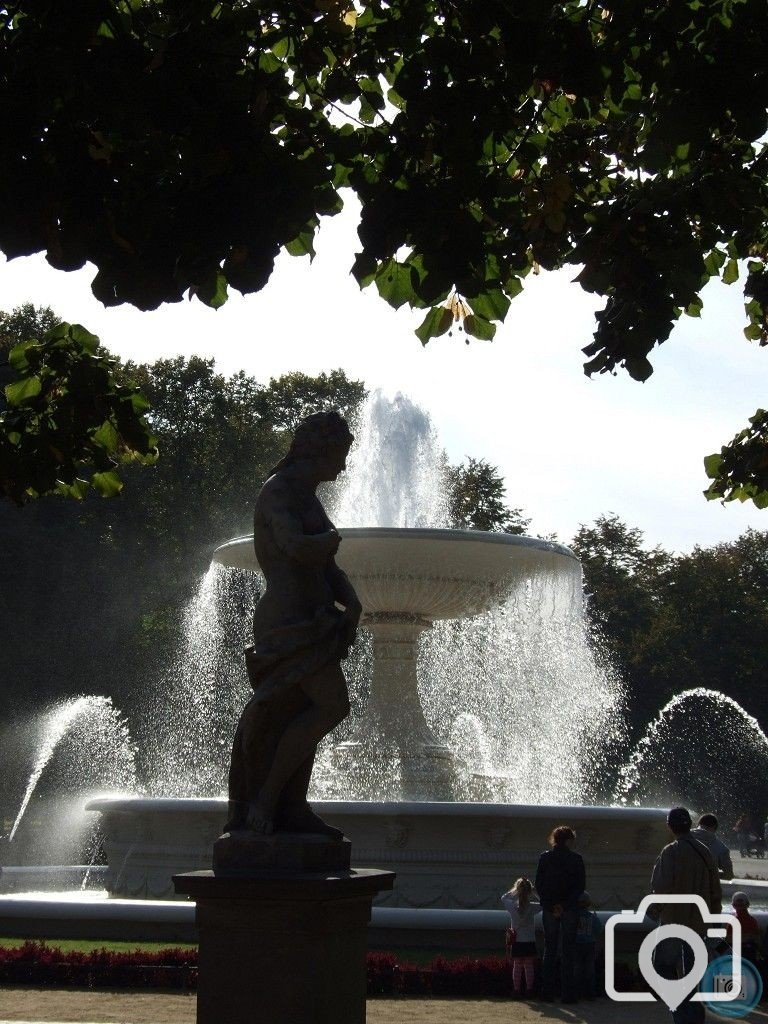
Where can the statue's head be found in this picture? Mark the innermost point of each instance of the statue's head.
(323, 438)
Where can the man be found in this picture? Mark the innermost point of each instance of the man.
(560, 880)
(685, 867)
(705, 833)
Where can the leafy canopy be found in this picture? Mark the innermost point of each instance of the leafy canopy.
(179, 145)
(66, 424)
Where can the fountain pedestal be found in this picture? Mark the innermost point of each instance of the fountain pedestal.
(392, 731)
(279, 945)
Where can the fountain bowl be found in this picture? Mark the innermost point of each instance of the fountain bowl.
(437, 574)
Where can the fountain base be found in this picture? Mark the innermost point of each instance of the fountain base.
(446, 855)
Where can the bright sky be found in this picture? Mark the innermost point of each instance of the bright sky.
(570, 448)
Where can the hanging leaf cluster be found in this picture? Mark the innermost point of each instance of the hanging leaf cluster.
(180, 145)
(739, 471)
(66, 424)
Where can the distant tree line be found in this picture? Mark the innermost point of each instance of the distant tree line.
(674, 622)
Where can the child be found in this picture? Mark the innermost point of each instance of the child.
(522, 952)
(588, 932)
(750, 929)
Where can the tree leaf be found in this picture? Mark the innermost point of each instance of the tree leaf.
(302, 244)
(18, 357)
(492, 304)
(84, 339)
(213, 290)
(139, 403)
(364, 269)
(22, 390)
(478, 327)
(712, 464)
(107, 436)
(107, 484)
(436, 322)
(731, 272)
(394, 282)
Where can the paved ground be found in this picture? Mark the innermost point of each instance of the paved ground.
(46, 1006)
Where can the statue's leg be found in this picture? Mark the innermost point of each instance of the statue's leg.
(256, 738)
(238, 787)
(294, 813)
(327, 692)
(295, 789)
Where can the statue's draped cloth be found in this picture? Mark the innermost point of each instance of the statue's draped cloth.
(279, 660)
(283, 657)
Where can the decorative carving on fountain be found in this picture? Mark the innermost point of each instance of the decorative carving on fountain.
(497, 837)
(397, 833)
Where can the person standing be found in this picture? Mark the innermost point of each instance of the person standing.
(588, 933)
(560, 880)
(750, 928)
(705, 833)
(741, 828)
(522, 953)
(684, 867)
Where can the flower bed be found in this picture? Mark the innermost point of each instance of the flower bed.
(37, 963)
(40, 964)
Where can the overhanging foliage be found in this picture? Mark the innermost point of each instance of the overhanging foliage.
(179, 145)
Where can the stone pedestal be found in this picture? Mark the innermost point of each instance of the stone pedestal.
(281, 944)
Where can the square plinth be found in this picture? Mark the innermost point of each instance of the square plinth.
(282, 947)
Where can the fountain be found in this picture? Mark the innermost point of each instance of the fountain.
(407, 579)
(407, 798)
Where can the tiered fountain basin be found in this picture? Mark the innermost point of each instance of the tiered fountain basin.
(435, 574)
(406, 580)
(446, 855)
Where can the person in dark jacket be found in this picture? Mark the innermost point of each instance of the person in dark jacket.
(560, 880)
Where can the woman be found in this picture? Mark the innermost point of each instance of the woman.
(560, 880)
(299, 638)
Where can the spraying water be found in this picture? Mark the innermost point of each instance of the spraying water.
(506, 689)
(186, 739)
(87, 740)
(396, 472)
(704, 750)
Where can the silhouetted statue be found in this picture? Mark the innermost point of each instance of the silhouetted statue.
(300, 638)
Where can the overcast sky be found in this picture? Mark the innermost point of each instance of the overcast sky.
(570, 448)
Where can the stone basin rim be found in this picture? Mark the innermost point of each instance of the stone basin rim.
(408, 533)
(409, 808)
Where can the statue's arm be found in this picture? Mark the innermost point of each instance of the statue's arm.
(288, 532)
(344, 594)
(342, 589)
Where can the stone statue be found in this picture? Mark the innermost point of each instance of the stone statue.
(300, 637)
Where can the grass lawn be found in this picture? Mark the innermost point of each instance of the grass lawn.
(420, 957)
(87, 945)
